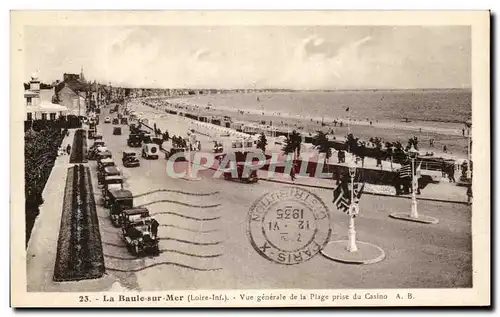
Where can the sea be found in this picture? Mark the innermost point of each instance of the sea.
(452, 106)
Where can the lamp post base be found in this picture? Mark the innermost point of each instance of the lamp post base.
(420, 219)
(366, 253)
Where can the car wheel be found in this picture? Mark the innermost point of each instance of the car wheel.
(136, 250)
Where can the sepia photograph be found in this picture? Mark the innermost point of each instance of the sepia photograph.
(196, 159)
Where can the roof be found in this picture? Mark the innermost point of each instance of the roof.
(113, 177)
(107, 160)
(135, 211)
(111, 169)
(121, 193)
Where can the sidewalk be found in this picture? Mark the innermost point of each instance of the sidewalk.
(42, 246)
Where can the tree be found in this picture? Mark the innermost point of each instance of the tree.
(296, 140)
(412, 141)
(262, 142)
(322, 144)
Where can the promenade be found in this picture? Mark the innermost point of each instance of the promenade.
(206, 133)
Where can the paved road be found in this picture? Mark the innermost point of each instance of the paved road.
(417, 255)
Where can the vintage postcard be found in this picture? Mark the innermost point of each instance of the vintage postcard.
(250, 159)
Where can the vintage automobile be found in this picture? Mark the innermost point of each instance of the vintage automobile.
(102, 153)
(218, 148)
(111, 110)
(140, 231)
(123, 120)
(250, 177)
(145, 136)
(91, 134)
(119, 200)
(133, 128)
(130, 159)
(107, 171)
(134, 140)
(114, 182)
(107, 120)
(116, 121)
(97, 137)
(174, 150)
(150, 151)
(102, 164)
(92, 152)
(117, 131)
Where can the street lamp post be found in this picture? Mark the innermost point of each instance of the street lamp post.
(353, 210)
(413, 154)
(468, 124)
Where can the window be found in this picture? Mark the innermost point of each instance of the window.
(53, 116)
(28, 101)
(44, 116)
(30, 116)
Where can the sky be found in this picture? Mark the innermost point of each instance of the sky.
(290, 57)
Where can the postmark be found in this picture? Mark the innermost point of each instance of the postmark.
(289, 225)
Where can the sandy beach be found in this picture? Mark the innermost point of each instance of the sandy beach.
(447, 134)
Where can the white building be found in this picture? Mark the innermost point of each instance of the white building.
(38, 103)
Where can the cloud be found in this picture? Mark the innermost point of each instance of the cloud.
(319, 64)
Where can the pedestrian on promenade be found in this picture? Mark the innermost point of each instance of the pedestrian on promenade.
(292, 172)
(463, 131)
(469, 194)
(68, 149)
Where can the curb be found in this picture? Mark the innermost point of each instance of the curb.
(366, 193)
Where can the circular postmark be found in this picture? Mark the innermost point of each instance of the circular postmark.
(289, 226)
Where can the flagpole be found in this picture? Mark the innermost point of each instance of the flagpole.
(414, 216)
(351, 251)
(351, 247)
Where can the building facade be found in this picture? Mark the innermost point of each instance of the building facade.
(38, 103)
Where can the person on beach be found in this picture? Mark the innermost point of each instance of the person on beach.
(445, 149)
(463, 131)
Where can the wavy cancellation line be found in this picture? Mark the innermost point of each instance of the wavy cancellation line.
(190, 242)
(175, 191)
(184, 216)
(161, 263)
(178, 203)
(188, 229)
(129, 258)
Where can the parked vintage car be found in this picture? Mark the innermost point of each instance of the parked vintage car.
(114, 182)
(140, 231)
(93, 149)
(130, 159)
(97, 137)
(119, 200)
(103, 152)
(134, 140)
(117, 131)
(107, 171)
(238, 168)
(123, 120)
(91, 133)
(116, 121)
(107, 120)
(150, 151)
(174, 150)
(103, 163)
